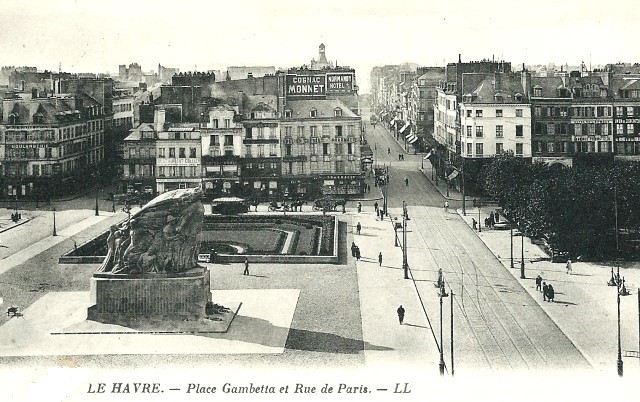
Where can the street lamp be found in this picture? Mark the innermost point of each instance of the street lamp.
(441, 294)
(511, 237)
(620, 364)
(405, 266)
(54, 222)
(479, 208)
(464, 206)
(522, 276)
(96, 190)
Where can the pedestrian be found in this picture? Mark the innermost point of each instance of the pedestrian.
(545, 291)
(375, 205)
(496, 216)
(446, 206)
(113, 207)
(388, 151)
(246, 266)
(400, 314)
(406, 181)
(353, 249)
(358, 228)
(569, 267)
(551, 293)
(474, 223)
(380, 258)
(357, 253)
(399, 156)
(359, 207)
(538, 283)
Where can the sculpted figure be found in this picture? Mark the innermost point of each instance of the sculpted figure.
(161, 237)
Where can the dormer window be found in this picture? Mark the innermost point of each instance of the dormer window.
(498, 97)
(337, 112)
(38, 118)
(288, 114)
(518, 97)
(313, 113)
(537, 91)
(12, 118)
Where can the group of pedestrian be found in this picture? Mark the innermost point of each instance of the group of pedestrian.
(400, 157)
(355, 251)
(548, 292)
(492, 219)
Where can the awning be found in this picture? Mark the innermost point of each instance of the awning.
(392, 121)
(453, 175)
(404, 127)
(412, 139)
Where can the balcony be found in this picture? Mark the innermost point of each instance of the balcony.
(220, 160)
(249, 141)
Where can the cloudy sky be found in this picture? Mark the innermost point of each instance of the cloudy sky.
(96, 36)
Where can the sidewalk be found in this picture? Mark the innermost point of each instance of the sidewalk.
(585, 308)
(382, 290)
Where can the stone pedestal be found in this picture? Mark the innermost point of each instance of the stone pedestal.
(125, 299)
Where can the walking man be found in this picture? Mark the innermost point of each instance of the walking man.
(400, 314)
(406, 181)
(380, 258)
(545, 291)
(357, 253)
(375, 205)
(446, 206)
(538, 283)
(569, 268)
(358, 228)
(551, 293)
(246, 266)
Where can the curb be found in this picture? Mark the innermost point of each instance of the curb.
(16, 225)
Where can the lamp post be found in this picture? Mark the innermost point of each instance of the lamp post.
(451, 332)
(511, 237)
(479, 208)
(96, 190)
(54, 222)
(441, 294)
(405, 266)
(395, 231)
(522, 276)
(620, 364)
(464, 206)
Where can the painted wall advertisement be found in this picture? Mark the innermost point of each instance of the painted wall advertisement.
(306, 86)
(340, 83)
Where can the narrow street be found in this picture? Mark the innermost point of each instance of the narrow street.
(497, 324)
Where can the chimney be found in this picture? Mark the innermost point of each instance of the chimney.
(159, 119)
(525, 81)
(459, 58)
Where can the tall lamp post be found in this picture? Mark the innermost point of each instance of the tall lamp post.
(464, 206)
(441, 294)
(511, 237)
(479, 208)
(96, 190)
(405, 266)
(522, 276)
(54, 222)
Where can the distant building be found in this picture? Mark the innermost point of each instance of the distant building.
(240, 72)
(322, 61)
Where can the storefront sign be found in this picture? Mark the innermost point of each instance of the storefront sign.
(312, 86)
(339, 83)
(18, 146)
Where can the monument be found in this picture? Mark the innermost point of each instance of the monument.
(150, 273)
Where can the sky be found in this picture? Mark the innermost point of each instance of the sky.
(97, 36)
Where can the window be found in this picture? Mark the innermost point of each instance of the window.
(215, 140)
(132, 152)
(518, 112)
(227, 123)
(551, 128)
(498, 112)
(161, 152)
(287, 131)
(182, 153)
(499, 148)
(619, 128)
(619, 111)
(479, 131)
(469, 113)
(337, 112)
(469, 149)
(313, 131)
(261, 150)
(172, 152)
(350, 148)
(325, 149)
(499, 131)
(564, 111)
(479, 113)
(288, 114)
(300, 131)
(313, 113)
(519, 130)
(564, 128)
(249, 133)
(537, 111)
(338, 131)
(469, 132)
(537, 91)
(519, 148)
(273, 149)
(274, 165)
(192, 153)
(479, 149)
(629, 111)
(287, 149)
(247, 150)
(228, 140)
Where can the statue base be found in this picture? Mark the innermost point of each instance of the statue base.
(126, 299)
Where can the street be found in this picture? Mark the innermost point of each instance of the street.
(497, 324)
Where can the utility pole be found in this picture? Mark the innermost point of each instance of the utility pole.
(405, 266)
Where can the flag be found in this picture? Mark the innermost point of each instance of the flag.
(427, 155)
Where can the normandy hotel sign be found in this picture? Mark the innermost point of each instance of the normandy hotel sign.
(317, 86)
